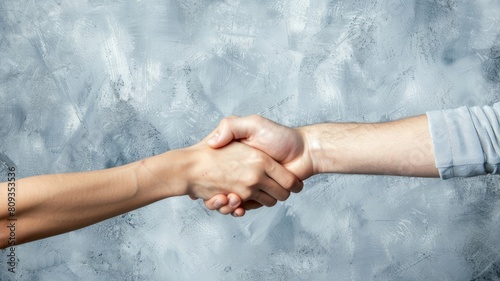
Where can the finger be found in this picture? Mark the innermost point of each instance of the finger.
(264, 199)
(269, 186)
(234, 203)
(229, 129)
(284, 178)
(192, 197)
(216, 202)
(298, 187)
(239, 212)
(251, 205)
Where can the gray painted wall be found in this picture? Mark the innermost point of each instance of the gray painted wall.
(93, 84)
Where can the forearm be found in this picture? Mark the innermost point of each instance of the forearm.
(53, 204)
(401, 148)
(48, 205)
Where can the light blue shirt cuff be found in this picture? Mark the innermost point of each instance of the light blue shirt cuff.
(457, 148)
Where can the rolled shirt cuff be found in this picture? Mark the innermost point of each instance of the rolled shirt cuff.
(457, 149)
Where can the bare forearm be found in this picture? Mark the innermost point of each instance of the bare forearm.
(53, 204)
(401, 148)
(48, 205)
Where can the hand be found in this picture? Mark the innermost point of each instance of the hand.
(203, 172)
(287, 146)
(240, 169)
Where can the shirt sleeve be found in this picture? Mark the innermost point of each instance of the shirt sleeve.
(466, 140)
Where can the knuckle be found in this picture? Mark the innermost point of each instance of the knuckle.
(255, 117)
(246, 194)
(252, 179)
(261, 161)
(269, 166)
(225, 122)
(209, 206)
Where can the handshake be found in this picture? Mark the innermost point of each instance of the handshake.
(250, 162)
(246, 163)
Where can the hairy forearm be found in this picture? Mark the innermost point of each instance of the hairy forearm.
(402, 148)
(48, 205)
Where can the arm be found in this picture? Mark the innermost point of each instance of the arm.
(459, 142)
(52, 204)
(402, 147)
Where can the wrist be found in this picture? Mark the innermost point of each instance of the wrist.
(312, 152)
(165, 173)
(321, 147)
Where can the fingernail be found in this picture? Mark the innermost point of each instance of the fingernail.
(217, 204)
(214, 139)
(233, 202)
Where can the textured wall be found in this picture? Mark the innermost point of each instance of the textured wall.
(94, 84)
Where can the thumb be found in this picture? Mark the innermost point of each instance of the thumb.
(229, 129)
